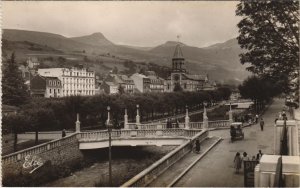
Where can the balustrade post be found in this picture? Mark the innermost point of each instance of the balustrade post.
(205, 118)
(138, 120)
(126, 120)
(187, 118)
(230, 114)
(77, 123)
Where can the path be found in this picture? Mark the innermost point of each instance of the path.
(216, 168)
(180, 166)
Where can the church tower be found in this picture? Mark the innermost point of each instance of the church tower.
(178, 60)
(177, 68)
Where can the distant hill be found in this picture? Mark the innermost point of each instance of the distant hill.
(96, 39)
(220, 61)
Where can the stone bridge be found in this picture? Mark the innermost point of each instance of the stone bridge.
(68, 150)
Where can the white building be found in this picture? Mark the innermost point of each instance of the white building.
(75, 80)
(141, 82)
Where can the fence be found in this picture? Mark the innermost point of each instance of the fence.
(149, 174)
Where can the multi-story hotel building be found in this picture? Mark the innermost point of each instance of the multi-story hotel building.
(75, 80)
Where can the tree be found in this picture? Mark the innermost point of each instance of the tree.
(269, 34)
(16, 123)
(177, 88)
(41, 119)
(259, 88)
(14, 88)
(121, 89)
(115, 70)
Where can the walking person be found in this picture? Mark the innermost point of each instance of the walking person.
(262, 123)
(259, 155)
(256, 118)
(245, 157)
(237, 162)
(63, 134)
(197, 148)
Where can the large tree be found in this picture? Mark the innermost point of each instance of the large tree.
(13, 87)
(269, 35)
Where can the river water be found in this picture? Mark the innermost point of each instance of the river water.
(126, 163)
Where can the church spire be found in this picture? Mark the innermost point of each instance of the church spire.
(178, 59)
(178, 52)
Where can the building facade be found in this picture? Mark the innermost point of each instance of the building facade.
(75, 80)
(156, 83)
(142, 82)
(48, 87)
(110, 87)
(179, 79)
(129, 85)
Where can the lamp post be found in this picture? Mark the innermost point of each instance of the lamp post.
(109, 127)
(205, 118)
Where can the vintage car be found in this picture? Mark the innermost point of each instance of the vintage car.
(236, 131)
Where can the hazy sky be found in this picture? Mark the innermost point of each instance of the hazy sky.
(133, 23)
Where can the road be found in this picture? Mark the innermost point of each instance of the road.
(216, 168)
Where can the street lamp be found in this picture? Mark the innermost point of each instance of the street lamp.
(109, 127)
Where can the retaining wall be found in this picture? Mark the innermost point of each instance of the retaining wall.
(60, 152)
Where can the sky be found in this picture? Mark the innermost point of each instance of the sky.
(198, 23)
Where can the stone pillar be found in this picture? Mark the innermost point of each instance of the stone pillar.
(137, 118)
(126, 120)
(187, 118)
(77, 123)
(293, 140)
(230, 114)
(205, 119)
(108, 116)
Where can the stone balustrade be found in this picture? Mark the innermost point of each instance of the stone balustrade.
(103, 135)
(196, 125)
(17, 156)
(149, 174)
(219, 124)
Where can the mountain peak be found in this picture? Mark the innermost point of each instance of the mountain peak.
(97, 34)
(97, 39)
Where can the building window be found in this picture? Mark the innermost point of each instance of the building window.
(50, 82)
(57, 90)
(49, 90)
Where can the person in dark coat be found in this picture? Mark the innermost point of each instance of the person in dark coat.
(262, 123)
(259, 155)
(63, 134)
(197, 148)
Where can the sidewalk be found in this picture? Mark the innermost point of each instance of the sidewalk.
(180, 166)
(216, 168)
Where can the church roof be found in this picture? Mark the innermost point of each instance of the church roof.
(178, 52)
(195, 76)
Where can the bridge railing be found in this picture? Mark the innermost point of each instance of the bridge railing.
(19, 155)
(149, 174)
(196, 125)
(102, 135)
(218, 124)
(154, 125)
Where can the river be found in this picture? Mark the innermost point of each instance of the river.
(126, 163)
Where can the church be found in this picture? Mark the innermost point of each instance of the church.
(179, 78)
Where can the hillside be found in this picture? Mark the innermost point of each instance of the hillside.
(96, 39)
(220, 61)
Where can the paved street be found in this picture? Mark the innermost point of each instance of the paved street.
(216, 168)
